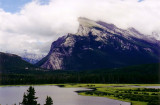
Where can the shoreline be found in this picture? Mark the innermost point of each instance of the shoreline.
(98, 89)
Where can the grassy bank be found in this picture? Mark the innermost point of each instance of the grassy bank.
(70, 85)
(123, 92)
(103, 85)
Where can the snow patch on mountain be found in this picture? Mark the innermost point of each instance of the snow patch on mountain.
(31, 57)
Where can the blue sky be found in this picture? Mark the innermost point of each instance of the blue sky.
(12, 5)
(15, 5)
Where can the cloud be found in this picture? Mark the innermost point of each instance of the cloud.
(37, 24)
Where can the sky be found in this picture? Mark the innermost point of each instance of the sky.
(33, 25)
(16, 5)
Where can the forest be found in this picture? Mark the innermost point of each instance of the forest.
(138, 74)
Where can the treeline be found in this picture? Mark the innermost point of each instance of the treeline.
(76, 77)
(134, 74)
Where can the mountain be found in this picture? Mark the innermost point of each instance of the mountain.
(155, 35)
(31, 57)
(27, 56)
(99, 45)
(12, 62)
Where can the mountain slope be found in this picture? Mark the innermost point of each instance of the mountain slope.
(99, 45)
(12, 62)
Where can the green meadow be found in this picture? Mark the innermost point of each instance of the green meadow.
(124, 92)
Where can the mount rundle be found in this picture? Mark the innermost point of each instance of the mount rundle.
(99, 45)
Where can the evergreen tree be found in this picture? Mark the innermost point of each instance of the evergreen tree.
(29, 97)
(49, 101)
(24, 102)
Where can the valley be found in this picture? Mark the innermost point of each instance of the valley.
(116, 64)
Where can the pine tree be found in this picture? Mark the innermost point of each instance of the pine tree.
(49, 101)
(29, 97)
(24, 102)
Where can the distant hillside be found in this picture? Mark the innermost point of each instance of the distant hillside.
(146, 69)
(141, 69)
(12, 62)
(146, 73)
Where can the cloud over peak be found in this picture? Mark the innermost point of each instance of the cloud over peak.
(37, 24)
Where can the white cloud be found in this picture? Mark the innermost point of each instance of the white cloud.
(36, 25)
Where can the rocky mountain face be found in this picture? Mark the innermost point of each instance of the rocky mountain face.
(12, 62)
(99, 45)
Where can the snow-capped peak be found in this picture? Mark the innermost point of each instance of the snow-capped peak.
(156, 35)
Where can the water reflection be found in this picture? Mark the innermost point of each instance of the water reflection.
(60, 96)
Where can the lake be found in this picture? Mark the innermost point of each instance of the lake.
(61, 96)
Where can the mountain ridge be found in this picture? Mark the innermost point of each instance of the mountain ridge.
(100, 45)
(12, 62)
